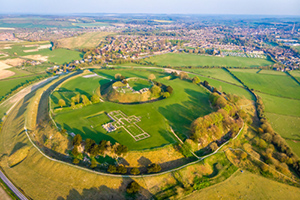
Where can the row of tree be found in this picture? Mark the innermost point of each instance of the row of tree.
(80, 98)
(121, 169)
(93, 149)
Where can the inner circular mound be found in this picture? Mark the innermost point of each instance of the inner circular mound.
(131, 90)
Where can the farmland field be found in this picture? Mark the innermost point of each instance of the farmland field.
(180, 59)
(278, 85)
(86, 40)
(95, 24)
(58, 56)
(188, 101)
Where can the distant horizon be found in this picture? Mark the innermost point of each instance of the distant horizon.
(120, 13)
(201, 7)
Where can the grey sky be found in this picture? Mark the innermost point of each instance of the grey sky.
(264, 7)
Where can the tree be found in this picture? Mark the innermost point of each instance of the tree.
(93, 163)
(166, 95)
(244, 155)
(72, 104)
(183, 75)
(121, 169)
(61, 103)
(94, 150)
(89, 144)
(155, 90)
(73, 99)
(151, 77)
(95, 99)
(77, 140)
(85, 100)
(118, 76)
(205, 83)
(169, 89)
(153, 168)
(213, 146)
(133, 187)
(75, 152)
(135, 171)
(196, 80)
(121, 149)
(75, 161)
(112, 169)
(77, 97)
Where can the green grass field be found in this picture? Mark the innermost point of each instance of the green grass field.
(247, 186)
(278, 85)
(284, 116)
(176, 59)
(188, 101)
(296, 74)
(7, 85)
(215, 73)
(86, 86)
(139, 84)
(58, 56)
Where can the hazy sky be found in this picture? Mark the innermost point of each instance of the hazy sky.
(264, 7)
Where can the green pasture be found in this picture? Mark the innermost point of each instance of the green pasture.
(85, 86)
(282, 106)
(187, 102)
(278, 85)
(182, 59)
(217, 73)
(284, 116)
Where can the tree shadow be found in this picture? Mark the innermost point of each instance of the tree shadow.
(143, 161)
(196, 106)
(82, 92)
(104, 193)
(18, 146)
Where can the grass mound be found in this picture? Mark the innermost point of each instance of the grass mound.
(18, 156)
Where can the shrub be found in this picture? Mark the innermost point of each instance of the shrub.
(169, 89)
(61, 103)
(121, 169)
(153, 168)
(133, 187)
(93, 163)
(95, 99)
(135, 171)
(112, 169)
(196, 80)
(166, 95)
(77, 140)
(75, 161)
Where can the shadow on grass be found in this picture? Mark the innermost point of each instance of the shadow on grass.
(18, 146)
(104, 192)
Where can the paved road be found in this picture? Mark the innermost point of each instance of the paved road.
(12, 187)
